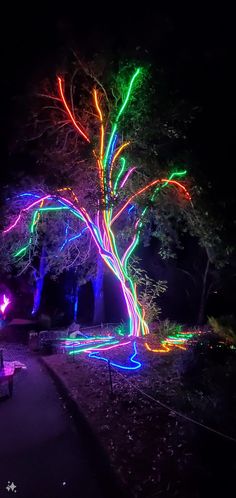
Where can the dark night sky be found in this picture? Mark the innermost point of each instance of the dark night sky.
(195, 43)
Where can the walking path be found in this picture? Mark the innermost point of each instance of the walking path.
(41, 451)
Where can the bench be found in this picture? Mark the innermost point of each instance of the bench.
(6, 375)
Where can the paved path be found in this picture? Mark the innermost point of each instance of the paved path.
(40, 449)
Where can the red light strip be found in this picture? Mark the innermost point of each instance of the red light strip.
(163, 180)
(78, 128)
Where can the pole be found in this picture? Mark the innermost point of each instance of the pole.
(110, 377)
(1, 359)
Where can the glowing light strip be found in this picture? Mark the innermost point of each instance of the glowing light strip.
(127, 176)
(21, 251)
(78, 128)
(175, 173)
(114, 160)
(5, 304)
(89, 347)
(53, 208)
(115, 346)
(171, 342)
(137, 72)
(118, 365)
(130, 249)
(73, 238)
(24, 210)
(66, 238)
(151, 184)
(120, 112)
(73, 210)
(137, 322)
(112, 148)
(87, 339)
(99, 162)
(122, 147)
(165, 349)
(123, 160)
(71, 191)
(93, 343)
(24, 248)
(102, 127)
(26, 194)
(139, 224)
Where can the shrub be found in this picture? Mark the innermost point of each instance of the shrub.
(148, 290)
(165, 328)
(224, 327)
(122, 329)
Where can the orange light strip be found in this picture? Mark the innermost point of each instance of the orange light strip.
(119, 151)
(174, 182)
(102, 126)
(122, 147)
(166, 346)
(78, 128)
(71, 190)
(165, 350)
(100, 160)
(38, 215)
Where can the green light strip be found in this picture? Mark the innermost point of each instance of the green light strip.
(119, 114)
(129, 92)
(175, 173)
(23, 249)
(33, 223)
(135, 242)
(123, 160)
(57, 208)
(88, 347)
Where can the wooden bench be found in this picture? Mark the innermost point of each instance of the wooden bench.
(6, 375)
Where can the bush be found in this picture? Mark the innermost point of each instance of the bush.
(224, 327)
(164, 328)
(122, 329)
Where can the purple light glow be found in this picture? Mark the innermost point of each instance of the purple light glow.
(5, 304)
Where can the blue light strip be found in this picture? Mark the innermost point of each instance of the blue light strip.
(66, 237)
(117, 365)
(131, 208)
(26, 194)
(112, 149)
(73, 238)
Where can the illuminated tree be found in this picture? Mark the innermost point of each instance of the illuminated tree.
(113, 208)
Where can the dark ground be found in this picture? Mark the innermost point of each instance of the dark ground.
(40, 449)
(156, 453)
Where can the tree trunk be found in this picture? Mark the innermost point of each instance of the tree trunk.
(98, 292)
(201, 311)
(76, 299)
(39, 282)
(137, 324)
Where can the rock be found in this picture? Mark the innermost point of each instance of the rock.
(74, 327)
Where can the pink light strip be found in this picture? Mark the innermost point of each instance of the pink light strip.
(26, 209)
(109, 347)
(127, 176)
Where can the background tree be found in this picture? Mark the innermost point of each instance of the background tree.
(105, 157)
